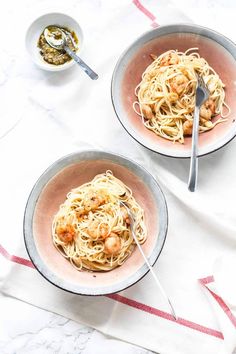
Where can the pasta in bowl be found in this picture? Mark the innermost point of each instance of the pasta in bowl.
(92, 227)
(76, 232)
(154, 84)
(166, 95)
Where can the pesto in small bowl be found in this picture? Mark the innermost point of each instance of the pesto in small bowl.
(55, 56)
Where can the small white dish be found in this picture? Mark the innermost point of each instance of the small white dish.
(36, 28)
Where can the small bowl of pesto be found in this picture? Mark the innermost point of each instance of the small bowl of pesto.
(43, 55)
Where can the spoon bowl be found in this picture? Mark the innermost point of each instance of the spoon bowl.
(55, 37)
(58, 39)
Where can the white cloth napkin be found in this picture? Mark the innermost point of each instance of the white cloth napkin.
(221, 290)
(66, 112)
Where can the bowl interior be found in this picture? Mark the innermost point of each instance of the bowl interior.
(131, 66)
(37, 27)
(54, 266)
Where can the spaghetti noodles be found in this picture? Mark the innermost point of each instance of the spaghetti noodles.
(92, 228)
(166, 95)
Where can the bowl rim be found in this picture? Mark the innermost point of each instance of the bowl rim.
(31, 203)
(47, 66)
(180, 154)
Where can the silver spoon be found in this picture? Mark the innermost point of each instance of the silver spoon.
(59, 42)
(147, 261)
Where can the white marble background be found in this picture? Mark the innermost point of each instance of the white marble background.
(35, 331)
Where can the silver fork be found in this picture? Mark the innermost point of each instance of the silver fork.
(202, 95)
(146, 260)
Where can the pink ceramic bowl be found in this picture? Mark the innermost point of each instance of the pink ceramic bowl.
(51, 190)
(220, 53)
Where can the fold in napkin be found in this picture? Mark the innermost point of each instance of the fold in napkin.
(65, 112)
(221, 290)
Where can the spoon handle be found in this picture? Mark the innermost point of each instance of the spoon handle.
(79, 61)
(147, 261)
(155, 277)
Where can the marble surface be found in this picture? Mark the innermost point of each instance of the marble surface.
(26, 329)
(37, 331)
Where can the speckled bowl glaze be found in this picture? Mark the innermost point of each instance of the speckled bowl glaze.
(220, 53)
(51, 190)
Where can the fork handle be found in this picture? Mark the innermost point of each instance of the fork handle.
(193, 173)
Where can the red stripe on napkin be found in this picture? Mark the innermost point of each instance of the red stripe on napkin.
(219, 299)
(146, 12)
(165, 315)
(207, 280)
(129, 302)
(15, 259)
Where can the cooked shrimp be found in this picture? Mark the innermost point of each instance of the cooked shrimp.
(125, 215)
(172, 97)
(205, 113)
(212, 82)
(210, 104)
(179, 83)
(147, 111)
(208, 109)
(93, 201)
(96, 231)
(188, 127)
(169, 59)
(80, 213)
(65, 233)
(112, 244)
